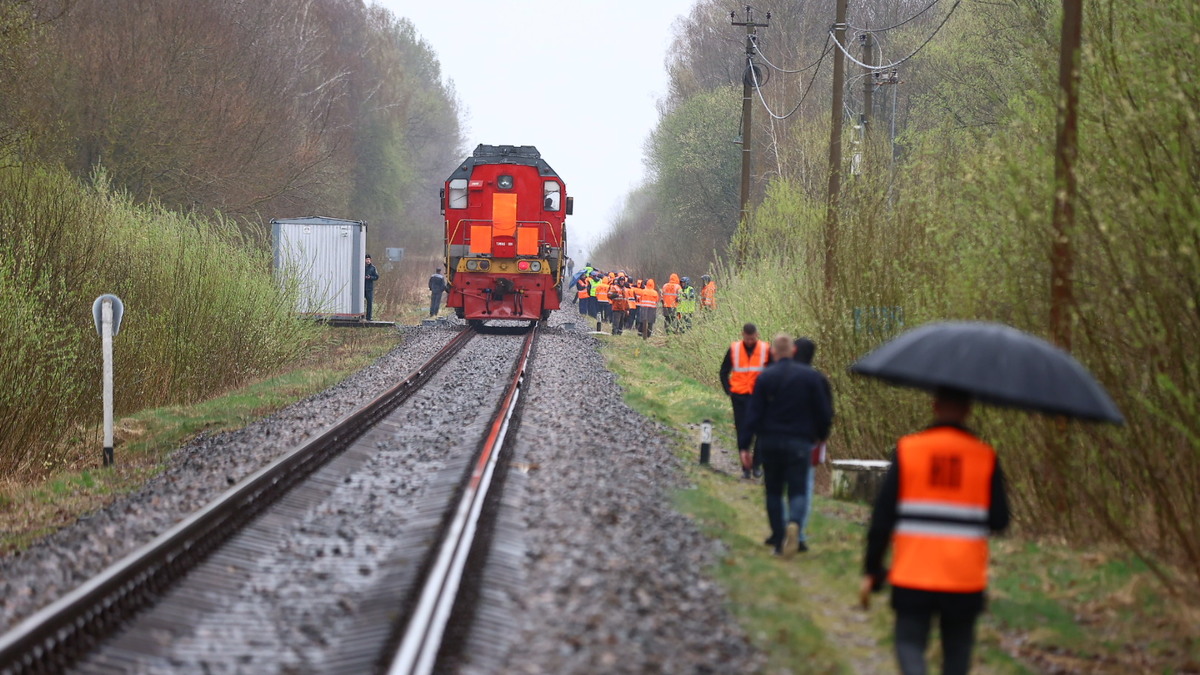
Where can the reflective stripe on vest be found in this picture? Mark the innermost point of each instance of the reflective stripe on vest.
(708, 295)
(648, 298)
(940, 540)
(602, 292)
(746, 370)
(670, 293)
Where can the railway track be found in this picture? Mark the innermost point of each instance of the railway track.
(399, 631)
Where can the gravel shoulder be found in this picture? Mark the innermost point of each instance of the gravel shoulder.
(197, 473)
(616, 578)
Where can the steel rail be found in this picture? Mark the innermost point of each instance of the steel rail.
(422, 638)
(57, 635)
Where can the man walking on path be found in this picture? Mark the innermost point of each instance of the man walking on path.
(437, 285)
(942, 495)
(369, 286)
(789, 412)
(744, 360)
(805, 350)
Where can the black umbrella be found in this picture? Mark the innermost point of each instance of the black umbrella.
(994, 363)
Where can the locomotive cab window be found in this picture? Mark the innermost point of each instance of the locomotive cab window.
(458, 193)
(551, 195)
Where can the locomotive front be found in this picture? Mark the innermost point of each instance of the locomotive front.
(505, 235)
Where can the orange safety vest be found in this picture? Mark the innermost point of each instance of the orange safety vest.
(648, 297)
(708, 295)
(582, 292)
(670, 294)
(941, 538)
(746, 370)
(602, 291)
(616, 296)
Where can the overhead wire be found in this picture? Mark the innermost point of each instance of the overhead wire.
(883, 30)
(914, 53)
(826, 49)
(767, 61)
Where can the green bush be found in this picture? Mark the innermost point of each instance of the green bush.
(203, 311)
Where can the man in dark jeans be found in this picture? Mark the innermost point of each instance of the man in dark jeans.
(789, 411)
(369, 286)
(437, 285)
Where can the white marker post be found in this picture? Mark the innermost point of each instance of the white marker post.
(107, 311)
(705, 440)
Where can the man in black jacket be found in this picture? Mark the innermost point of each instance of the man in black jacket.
(372, 275)
(437, 285)
(789, 411)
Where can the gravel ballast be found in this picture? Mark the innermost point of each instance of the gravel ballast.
(197, 473)
(606, 576)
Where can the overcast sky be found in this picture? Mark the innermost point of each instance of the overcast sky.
(577, 78)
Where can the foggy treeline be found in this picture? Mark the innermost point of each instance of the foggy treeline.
(255, 109)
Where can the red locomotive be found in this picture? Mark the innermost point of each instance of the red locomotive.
(505, 211)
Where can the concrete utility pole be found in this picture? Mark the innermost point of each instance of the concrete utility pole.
(747, 104)
(835, 148)
(1062, 263)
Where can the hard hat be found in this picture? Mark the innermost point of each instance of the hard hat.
(685, 280)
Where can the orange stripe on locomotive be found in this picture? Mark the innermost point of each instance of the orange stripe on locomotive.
(505, 235)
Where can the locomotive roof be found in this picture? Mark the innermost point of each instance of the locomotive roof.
(521, 155)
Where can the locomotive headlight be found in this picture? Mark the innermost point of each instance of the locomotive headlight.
(504, 182)
(535, 266)
(484, 265)
(472, 264)
(523, 266)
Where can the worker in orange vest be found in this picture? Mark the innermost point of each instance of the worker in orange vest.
(620, 308)
(647, 308)
(631, 298)
(670, 302)
(708, 293)
(942, 496)
(581, 293)
(744, 360)
(604, 309)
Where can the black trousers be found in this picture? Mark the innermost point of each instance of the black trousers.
(741, 402)
(618, 321)
(435, 302)
(370, 297)
(957, 615)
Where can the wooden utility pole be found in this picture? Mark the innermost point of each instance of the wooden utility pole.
(747, 103)
(835, 148)
(868, 56)
(1062, 263)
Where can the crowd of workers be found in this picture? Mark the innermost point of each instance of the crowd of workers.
(626, 303)
(942, 495)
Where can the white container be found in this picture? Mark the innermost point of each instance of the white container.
(325, 256)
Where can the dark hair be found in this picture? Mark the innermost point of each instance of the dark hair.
(439, 270)
(368, 255)
(952, 395)
(805, 349)
(750, 329)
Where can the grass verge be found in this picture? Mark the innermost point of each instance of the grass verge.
(30, 509)
(1053, 608)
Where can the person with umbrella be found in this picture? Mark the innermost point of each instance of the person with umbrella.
(944, 492)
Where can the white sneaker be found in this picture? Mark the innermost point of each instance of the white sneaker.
(791, 541)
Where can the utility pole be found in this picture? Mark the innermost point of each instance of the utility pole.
(1062, 263)
(868, 56)
(835, 148)
(747, 103)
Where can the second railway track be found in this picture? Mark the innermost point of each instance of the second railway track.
(320, 561)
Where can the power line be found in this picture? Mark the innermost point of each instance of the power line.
(784, 70)
(914, 53)
(883, 30)
(817, 64)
